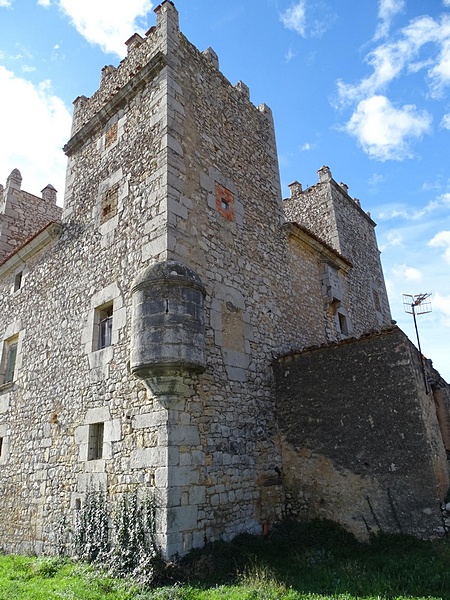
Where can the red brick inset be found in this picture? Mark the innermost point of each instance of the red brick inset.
(225, 202)
(109, 204)
(111, 135)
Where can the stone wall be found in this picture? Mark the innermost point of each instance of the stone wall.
(360, 438)
(327, 210)
(22, 214)
(171, 170)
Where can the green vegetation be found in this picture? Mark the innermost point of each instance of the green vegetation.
(318, 561)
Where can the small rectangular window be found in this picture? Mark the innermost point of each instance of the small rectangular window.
(18, 281)
(225, 202)
(9, 360)
(1, 446)
(95, 444)
(10, 363)
(343, 324)
(103, 327)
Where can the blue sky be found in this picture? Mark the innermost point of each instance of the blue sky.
(362, 87)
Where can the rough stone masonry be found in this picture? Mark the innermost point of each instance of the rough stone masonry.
(139, 327)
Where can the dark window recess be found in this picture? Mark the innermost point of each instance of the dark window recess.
(343, 324)
(105, 327)
(95, 447)
(225, 202)
(11, 355)
(1, 446)
(18, 281)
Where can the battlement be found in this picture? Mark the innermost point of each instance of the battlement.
(325, 177)
(23, 214)
(146, 57)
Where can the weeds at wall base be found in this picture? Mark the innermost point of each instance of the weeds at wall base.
(123, 544)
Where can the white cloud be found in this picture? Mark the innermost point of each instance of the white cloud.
(44, 3)
(440, 73)
(386, 12)
(5, 3)
(405, 273)
(441, 303)
(35, 124)
(384, 131)
(446, 2)
(306, 146)
(391, 59)
(375, 180)
(397, 211)
(107, 23)
(290, 54)
(445, 123)
(394, 238)
(442, 240)
(310, 19)
(295, 18)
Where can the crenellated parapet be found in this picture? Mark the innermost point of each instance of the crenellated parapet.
(23, 215)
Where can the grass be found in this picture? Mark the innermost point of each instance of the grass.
(318, 561)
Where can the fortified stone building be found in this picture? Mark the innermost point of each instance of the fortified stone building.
(181, 328)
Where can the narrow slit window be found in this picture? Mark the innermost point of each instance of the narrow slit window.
(18, 281)
(95, 445)
(343, 324)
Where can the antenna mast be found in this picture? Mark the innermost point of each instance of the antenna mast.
(418, 305)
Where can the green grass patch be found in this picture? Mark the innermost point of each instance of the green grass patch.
(318, 561)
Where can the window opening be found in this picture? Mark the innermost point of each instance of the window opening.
(343, 324)
(18, 281)
(225, 202)
(1, 446)
(105, 327)
(95, 447)
(11, 356)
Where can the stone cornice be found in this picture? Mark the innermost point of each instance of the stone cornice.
(30, 248)
(326, 252)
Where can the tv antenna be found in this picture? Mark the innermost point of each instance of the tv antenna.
(418, 305)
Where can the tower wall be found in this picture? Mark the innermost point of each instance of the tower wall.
(171, 170)
(23, 214)
(327, 210)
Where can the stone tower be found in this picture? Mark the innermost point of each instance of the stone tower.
(138, 350)
(173, 185)
(357, 299)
